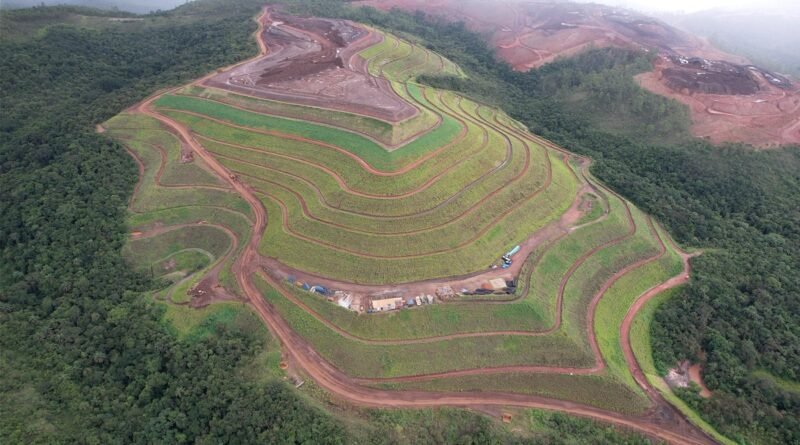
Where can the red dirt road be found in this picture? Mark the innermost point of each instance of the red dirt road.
(663, 423)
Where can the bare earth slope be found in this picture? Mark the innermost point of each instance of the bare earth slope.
(310, 63)
(730, 100)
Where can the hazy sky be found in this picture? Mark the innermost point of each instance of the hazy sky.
(699, 5)
(640, 5)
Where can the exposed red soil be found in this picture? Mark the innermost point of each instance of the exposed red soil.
(311, 61)
(763, 113)
(529, 34)
(740, 103)
(209, 291)
(661, 422)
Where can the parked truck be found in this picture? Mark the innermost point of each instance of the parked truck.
(507, 261)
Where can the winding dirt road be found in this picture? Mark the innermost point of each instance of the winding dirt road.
(663, 422)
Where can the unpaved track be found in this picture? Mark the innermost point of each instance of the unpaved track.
(625, 328)
(210, 272)
(673, 429)
(163, 165)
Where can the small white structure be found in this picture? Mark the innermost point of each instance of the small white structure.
(387, 304)
(346, 301)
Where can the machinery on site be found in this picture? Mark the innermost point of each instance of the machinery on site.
(507, 261)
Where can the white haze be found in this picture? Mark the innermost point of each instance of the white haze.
(661, 6)
(689, 6)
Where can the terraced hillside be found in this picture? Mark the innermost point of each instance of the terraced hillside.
(281, 172)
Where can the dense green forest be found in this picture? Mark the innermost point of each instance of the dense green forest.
(84, 357)
(740, 316)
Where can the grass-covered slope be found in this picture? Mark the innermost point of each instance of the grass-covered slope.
(444, 203)
(343, 204)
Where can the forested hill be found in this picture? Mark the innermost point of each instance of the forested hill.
(740, 316)
(85, 357)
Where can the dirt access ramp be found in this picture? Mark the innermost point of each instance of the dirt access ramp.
(730, 100)
(315, 62)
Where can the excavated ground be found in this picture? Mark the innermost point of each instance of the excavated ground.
(313, 62)
(730, 100)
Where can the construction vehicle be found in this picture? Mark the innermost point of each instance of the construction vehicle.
(507, 261)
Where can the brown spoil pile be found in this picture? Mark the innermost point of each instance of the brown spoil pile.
(326, 34)
(697, 75)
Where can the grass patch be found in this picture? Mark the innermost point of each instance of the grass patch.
(612, 308)
(195, 324)
(159, 249)
(597, 208)
(599, 391)
(126, 127)
(328, 261)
